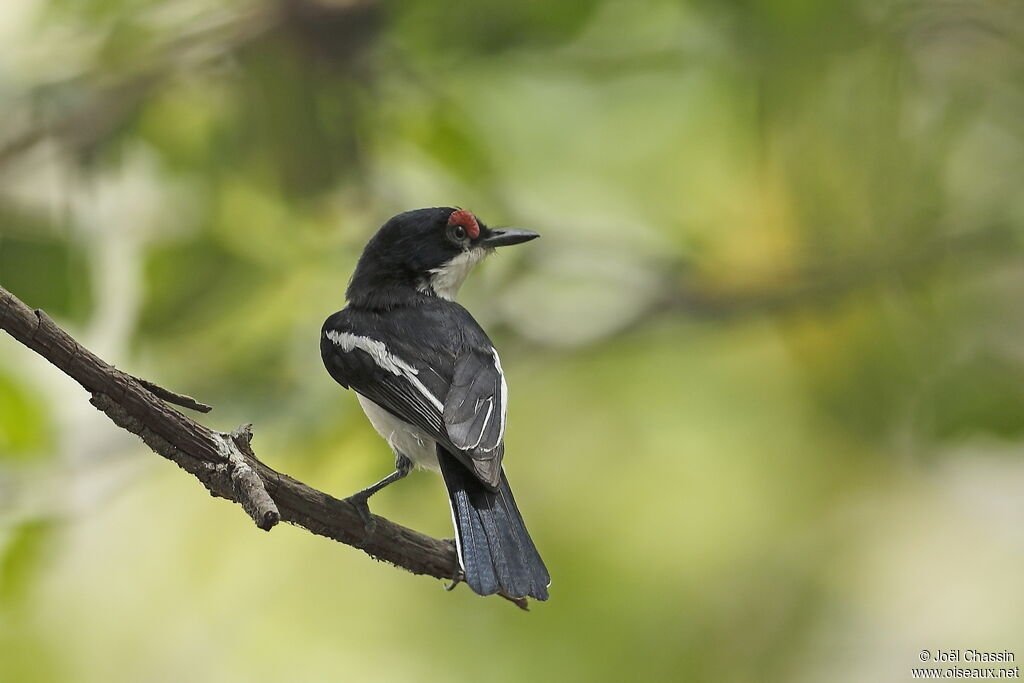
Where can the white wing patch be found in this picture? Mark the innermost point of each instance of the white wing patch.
(385, 360)
(504, 400)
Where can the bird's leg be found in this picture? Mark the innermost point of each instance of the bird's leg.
(359, 500)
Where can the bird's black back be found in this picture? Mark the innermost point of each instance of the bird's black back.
(419, 380)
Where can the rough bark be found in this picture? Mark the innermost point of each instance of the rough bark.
(223, 462)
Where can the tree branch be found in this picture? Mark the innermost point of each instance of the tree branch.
(224, 463)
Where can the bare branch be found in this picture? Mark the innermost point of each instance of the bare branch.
(174, 398)
(224, 463)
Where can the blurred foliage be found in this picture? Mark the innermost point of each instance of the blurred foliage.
(65, 291)
(23, 430)
(22, 558)
(766, 362)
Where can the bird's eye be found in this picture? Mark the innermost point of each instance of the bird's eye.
(458, 233)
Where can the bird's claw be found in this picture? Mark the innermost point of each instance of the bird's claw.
(362, 508)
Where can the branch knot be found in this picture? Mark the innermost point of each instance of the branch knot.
(248, 486)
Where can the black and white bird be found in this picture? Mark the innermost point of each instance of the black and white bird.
(431, 384)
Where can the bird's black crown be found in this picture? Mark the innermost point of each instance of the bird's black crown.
(403, 252)
(416, 250)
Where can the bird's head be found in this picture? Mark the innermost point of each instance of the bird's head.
(426, 250)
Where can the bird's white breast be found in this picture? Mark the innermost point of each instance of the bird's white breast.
(400, 435)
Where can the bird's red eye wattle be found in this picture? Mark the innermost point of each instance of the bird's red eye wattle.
(467, 221)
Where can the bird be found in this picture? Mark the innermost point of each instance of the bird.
(430, 382)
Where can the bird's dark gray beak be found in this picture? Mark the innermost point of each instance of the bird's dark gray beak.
(506, 236)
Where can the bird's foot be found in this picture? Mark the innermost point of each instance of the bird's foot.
(362, 508)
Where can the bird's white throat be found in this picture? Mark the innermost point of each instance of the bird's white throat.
(446, 280)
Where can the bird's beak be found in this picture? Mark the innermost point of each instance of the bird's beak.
(505, 237)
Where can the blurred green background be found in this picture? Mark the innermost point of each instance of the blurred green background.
(766, 363)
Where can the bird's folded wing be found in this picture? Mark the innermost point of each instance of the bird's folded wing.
(467, 416)
(474, 410)
(370, 368)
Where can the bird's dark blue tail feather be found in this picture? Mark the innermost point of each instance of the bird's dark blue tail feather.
(496, 551)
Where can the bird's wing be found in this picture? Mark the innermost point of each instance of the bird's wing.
(464, 414)
(474, 410)
(409, 390)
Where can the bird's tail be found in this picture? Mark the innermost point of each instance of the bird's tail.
(495, 550)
